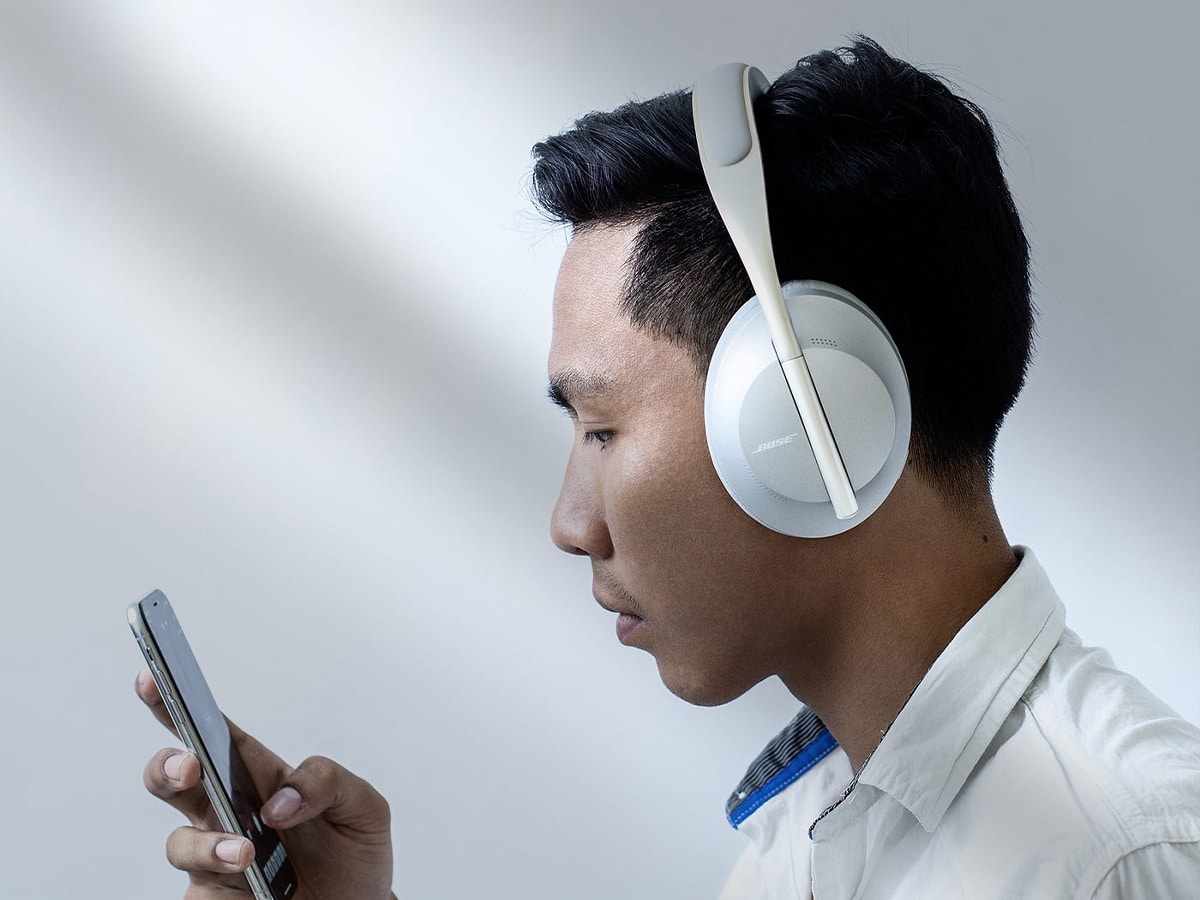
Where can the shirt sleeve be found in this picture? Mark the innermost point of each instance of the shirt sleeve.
(1167, 871)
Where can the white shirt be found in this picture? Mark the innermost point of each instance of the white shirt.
(1024, 765)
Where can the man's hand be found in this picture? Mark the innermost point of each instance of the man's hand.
(336, 826)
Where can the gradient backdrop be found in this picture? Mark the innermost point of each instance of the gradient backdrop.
(273, 317)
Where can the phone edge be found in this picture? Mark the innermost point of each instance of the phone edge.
(221, 803)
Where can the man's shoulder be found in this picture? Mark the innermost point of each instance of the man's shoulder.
(1088, 769)
(1128, 760)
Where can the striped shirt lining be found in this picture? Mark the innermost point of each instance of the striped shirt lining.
(791, 753)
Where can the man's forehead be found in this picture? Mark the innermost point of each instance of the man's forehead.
(592, 276)
(596, 350)
(590, 324)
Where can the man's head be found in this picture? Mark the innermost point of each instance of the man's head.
(879, 179)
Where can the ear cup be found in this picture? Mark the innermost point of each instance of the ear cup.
(755, 436)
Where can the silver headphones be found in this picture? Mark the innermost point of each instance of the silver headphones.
(806, 407)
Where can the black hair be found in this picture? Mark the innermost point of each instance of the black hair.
(879, 179)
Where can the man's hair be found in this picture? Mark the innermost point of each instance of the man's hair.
(879, 179)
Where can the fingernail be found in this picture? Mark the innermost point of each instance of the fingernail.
(285, 804)
(230, 851)
(174, 765)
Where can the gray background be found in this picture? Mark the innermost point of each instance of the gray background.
(273, 317)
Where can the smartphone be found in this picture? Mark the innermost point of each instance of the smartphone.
(205, 733)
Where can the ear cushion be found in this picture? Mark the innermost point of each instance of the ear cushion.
(755, 436)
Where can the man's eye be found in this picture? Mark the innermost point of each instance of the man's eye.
(600, 437)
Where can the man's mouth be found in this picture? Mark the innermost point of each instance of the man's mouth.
(627, 626)
(613, 598)
(627, 622)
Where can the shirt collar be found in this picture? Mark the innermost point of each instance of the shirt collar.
(791, 755)
(927, 755)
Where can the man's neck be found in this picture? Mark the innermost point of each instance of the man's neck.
(921, 569)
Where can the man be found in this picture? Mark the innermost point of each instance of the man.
(955, 739)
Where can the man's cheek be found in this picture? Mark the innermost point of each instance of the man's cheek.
(665, 515)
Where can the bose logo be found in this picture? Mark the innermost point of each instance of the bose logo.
(778, 442)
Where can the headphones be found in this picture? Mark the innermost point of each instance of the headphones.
(806, 406)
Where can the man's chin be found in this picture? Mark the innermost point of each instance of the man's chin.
(701, 687)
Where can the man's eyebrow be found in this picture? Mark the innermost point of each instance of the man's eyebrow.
(568, 387)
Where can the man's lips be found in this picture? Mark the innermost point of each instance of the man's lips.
(627, 622)
(627, 626)
(603, 605)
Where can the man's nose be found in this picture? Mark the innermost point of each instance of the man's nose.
(579, 523)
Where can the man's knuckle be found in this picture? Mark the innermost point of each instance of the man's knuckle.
(322, 770)
(177, 849)
(380, 802)
(153, 776)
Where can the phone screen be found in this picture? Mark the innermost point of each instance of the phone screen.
(198, 704)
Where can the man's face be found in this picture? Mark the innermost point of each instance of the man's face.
(697, 583)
